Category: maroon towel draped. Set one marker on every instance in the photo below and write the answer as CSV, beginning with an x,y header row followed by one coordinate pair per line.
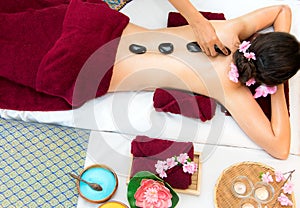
x,y
147,151
44,46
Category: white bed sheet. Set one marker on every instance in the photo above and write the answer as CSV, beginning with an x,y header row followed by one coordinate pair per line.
x,y
133,112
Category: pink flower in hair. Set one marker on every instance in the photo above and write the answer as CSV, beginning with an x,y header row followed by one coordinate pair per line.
x,y
243,47
250,55
233,73
264,90
250,82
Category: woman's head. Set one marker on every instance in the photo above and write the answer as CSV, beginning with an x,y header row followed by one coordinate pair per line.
x,y
277,59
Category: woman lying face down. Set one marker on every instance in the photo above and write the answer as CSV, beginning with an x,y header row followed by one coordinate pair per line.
x,y
268,61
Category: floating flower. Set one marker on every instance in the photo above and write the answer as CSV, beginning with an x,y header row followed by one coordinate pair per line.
x,y
284,200
266,177
233,73
264,90
152,194
288,187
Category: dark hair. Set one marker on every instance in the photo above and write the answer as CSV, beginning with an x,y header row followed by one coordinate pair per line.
x,y
277,59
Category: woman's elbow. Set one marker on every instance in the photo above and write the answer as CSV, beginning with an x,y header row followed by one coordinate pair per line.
x,y
282,151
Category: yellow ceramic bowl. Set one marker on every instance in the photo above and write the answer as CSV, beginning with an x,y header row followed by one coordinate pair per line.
x,y
113,204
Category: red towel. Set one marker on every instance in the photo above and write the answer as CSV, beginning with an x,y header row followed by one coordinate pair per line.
x,y
189,105
28,37
147,151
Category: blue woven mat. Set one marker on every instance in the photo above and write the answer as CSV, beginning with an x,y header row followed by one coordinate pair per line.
x,y
117,4
35,162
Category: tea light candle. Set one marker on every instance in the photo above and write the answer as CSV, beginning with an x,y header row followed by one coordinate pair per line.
x,y
262,193
239,188
247,205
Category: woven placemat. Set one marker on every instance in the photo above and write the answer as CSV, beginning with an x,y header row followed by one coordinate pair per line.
x,y
35,162
225,198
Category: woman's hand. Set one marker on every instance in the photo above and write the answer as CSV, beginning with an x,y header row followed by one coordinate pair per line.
x,y
205,33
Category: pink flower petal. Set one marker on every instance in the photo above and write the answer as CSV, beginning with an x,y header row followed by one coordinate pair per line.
x,y
244,46
288,188
250,82
284,200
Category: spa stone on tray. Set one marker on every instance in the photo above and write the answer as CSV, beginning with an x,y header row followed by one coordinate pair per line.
x,y
137,49
193,47
166,48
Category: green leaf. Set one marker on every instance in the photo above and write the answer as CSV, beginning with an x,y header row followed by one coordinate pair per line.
x,y
135,182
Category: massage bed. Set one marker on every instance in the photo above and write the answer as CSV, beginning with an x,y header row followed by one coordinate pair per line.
x,y
132,113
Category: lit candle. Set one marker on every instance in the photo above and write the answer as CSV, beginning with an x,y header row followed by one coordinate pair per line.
x,y
262,193
239,188
247,205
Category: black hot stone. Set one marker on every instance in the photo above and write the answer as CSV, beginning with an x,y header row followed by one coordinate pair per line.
x,y
166,48
137,49
217,49
193,47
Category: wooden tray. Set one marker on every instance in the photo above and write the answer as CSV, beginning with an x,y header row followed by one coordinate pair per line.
x,y
194,188
223,197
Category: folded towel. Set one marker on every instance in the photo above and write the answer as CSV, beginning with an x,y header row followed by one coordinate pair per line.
x,y
147,151
178,102
189,105
52,34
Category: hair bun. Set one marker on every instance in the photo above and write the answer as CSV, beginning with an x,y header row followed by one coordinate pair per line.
x,y
246,68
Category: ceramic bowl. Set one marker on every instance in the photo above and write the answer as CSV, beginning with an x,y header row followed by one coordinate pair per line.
x,y
113,204
102,175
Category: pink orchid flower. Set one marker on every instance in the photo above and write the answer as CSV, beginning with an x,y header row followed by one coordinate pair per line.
x,y
190,167
244,46
161,167
250,55
264,90
171,162
284,200
233,73
288,187
182,158
279,176
250,82
266,177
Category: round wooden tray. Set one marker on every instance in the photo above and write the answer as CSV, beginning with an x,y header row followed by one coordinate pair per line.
x,y
223,196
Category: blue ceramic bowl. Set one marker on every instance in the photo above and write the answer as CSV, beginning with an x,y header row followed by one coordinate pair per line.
x,y
102,175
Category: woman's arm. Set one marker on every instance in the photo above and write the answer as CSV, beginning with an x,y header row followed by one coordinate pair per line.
x,y
273,136
204,31
277,16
